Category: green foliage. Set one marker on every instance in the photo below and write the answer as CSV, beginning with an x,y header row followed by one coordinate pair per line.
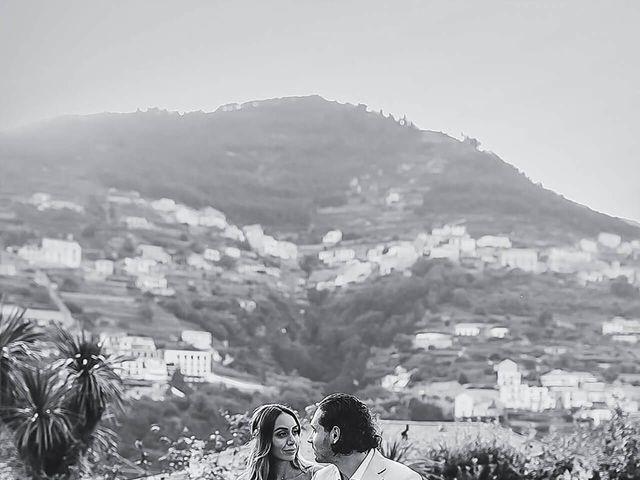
x,y
54,410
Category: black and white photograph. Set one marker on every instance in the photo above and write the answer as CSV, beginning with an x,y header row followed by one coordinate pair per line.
x,y
319,240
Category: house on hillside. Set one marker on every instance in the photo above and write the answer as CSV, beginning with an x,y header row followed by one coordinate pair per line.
x,y
568,261
165,205
493,241
197,338
137,223
478,403
564,378
332,237
621,326
609,240
447,251
433,340
508,373
194,364
154,252
53,253
525,259
468,329
211,217
498,332
354,271
187,216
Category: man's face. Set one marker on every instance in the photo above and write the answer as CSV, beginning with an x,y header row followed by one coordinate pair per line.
x,y
320,440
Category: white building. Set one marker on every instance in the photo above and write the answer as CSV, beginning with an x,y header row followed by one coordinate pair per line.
x,y
397,381
609,240
198,262
525,259
563,378
234,233
508,373
232,252
567,261
187,216
165,205
477,403
137,223
211,254
498,332
139,266
148,369
448,231
621,326
468,329
589,246
493,241
8,269
210,217
154,252
53,253
337,256
332,237
447,251
129,345
354,271
197,338
466,246
399,257
625,338
435,340
148,283
40,316
193,364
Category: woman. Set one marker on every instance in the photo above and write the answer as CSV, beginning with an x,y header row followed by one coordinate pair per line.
x,y
275,431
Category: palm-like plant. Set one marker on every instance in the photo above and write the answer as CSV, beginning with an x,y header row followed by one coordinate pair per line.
x,y
40,422
92,387
18,346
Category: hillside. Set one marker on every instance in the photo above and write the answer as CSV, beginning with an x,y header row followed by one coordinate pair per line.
x,y
288,163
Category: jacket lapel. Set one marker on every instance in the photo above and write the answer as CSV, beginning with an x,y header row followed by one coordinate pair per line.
x,y
376,468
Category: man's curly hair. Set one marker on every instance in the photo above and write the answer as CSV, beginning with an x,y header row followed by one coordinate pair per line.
x,y
358,432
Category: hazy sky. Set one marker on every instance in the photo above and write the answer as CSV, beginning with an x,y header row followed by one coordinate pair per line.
x,y
553,87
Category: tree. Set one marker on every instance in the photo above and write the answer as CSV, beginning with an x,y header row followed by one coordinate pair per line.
x,y
42,425
18,339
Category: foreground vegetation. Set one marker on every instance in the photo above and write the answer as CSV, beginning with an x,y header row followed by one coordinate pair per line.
x,y
57,394
608,452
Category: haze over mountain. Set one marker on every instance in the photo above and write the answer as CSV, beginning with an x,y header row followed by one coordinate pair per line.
x,y
288,163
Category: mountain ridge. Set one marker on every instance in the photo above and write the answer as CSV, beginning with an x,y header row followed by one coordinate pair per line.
x,y
279,162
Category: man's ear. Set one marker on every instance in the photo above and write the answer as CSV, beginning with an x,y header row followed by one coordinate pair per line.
x,y
334,435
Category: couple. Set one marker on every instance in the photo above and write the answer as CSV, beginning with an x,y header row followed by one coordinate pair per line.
x,y
343,435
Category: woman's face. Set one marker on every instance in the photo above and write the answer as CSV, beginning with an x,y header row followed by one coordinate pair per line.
x,y
286,438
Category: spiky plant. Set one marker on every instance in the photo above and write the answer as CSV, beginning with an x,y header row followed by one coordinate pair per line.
x,y
41,424
93,388
18,347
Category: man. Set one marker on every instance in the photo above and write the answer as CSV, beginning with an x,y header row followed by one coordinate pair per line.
x,y
344,435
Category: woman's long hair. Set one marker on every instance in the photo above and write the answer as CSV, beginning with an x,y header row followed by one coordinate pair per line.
x,y
262,423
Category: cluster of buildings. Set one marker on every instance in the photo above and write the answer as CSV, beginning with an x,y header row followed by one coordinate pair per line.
x,y
591,260
53,253
432,340
193,355
621,329
43,201
578,392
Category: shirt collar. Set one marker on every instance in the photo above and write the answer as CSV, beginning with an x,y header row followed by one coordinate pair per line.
x,y
359,473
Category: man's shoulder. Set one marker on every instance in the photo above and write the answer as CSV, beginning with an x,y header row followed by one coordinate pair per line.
x,y
398,470
327,472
